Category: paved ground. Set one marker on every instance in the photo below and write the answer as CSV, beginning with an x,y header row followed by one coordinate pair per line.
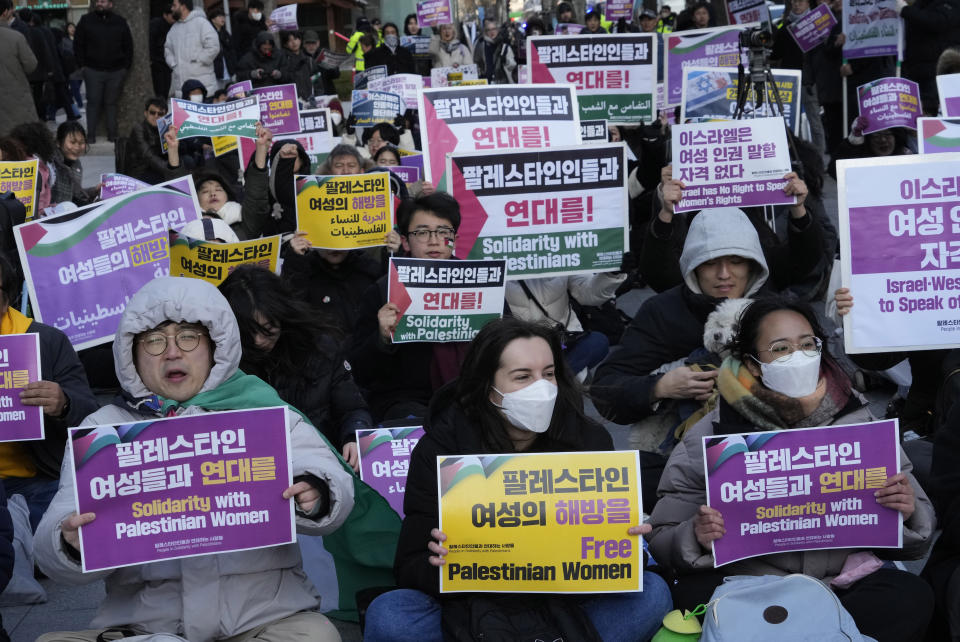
x,y
71,608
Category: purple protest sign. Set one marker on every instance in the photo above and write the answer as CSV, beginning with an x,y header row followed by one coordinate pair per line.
x,y
813,28
406,173
19,365
616,9
279,109
385,459
889,102
802,489
182,486
83,266
284,18
431,13
118,184
948,86
899,224
717,47
872,28
241,88
731,164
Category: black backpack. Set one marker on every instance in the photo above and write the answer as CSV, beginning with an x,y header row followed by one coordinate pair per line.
x,y
499,617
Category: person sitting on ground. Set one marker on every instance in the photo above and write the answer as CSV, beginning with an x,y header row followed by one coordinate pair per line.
x,y
144,158
32,468
401,378
177,350
779,377
722,259
288,347
71,145
508,358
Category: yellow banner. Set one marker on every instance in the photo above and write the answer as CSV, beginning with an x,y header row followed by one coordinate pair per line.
x,y
20,177
542,522
345,212
213,262
224,144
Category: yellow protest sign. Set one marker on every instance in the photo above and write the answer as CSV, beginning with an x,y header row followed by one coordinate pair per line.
x,y
541,522
213,262
224,144
345,212
20,177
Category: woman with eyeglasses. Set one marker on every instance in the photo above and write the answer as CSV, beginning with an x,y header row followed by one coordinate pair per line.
x,y
779,377
285,345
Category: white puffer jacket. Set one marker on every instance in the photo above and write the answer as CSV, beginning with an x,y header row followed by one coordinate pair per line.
x,y
208,597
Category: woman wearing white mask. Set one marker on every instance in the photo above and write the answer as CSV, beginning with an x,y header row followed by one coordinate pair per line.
x,y
780,376
515,394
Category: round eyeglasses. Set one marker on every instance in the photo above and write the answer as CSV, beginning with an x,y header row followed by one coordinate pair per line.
x,y
155,343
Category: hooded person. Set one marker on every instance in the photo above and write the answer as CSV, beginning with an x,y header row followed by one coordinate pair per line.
x,y
264,64
722,259
177,351
288,158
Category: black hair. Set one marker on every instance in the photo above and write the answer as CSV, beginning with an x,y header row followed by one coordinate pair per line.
x,y
285,35
36,139
406,22
480,366
167,9
68,127
255,4
744,343
440,204
12,149
564,7
536,23
217,94
390,24
9,279
591,13
216,12
155,101
387,131
251,289
188,4
6,5
367,40
389,147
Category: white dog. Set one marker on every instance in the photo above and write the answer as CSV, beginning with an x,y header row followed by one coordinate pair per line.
x,y
722,325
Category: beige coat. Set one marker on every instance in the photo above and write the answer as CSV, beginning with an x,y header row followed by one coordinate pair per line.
x,y
16,61
682,492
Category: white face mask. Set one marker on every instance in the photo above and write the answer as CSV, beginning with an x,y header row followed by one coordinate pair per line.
x,y
336,117
255,16
530,408
196,98
796,376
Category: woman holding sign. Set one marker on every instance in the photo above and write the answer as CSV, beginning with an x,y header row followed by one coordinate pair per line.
x,y
780,377
515,394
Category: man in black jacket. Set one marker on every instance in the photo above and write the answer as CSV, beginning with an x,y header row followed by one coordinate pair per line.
x,y
401,378
145,160
159,71
104,49
247,23
32,468
930,27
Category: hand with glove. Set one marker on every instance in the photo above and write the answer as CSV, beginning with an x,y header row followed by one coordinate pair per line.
x,y
860,124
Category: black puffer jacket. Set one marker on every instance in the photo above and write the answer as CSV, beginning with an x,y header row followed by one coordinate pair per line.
x,y
59,363
253,60
450,432
324,390
334,291
930,27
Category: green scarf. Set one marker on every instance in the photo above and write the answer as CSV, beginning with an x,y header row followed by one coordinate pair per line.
x,y
363,547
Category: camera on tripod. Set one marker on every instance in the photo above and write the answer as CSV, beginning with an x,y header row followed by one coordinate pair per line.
x,y
756,37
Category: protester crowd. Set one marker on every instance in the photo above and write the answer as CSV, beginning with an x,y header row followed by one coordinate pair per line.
x,y
738,335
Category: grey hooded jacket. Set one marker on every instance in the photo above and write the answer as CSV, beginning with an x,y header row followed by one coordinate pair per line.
x,y
669,326
213,596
